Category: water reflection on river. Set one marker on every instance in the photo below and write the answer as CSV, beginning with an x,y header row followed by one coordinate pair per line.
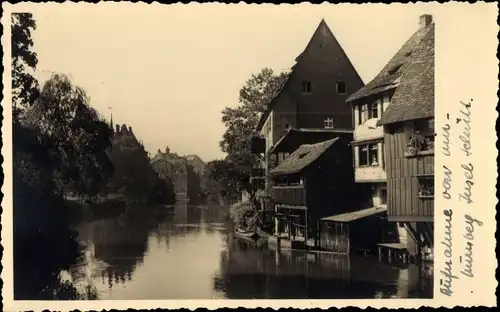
x,y
191,254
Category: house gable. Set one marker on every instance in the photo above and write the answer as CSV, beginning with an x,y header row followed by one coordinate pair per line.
x,y
312,85
332,78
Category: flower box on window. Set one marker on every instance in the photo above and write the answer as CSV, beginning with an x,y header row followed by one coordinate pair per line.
x,y
426,187
421,139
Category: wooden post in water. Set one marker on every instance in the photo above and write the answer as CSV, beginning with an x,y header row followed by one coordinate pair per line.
x,y
307,227
348,251
317,237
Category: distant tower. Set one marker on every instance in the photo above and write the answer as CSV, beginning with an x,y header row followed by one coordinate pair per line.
x,y
167,150
111,122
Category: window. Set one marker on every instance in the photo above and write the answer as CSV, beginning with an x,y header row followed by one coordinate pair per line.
x,y
373,113
363,155
363,114
368,111
302,155
422,136
395,69
341,87
368,155
426,186
329,123
306,87
373,155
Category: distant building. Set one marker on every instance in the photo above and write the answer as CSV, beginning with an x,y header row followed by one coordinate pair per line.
x,y
124,137
169,165
198,165
174,167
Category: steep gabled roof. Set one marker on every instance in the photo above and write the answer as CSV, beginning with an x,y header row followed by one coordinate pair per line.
x,y
302,158
389,77
322,26
414,97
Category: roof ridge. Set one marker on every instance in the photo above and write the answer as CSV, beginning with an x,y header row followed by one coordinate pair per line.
x,y
418,48
342,53
398,58
414,97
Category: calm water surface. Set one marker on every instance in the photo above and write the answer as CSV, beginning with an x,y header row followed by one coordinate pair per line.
x,y
191,254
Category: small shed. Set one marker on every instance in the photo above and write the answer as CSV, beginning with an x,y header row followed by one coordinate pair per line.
x,y
359,230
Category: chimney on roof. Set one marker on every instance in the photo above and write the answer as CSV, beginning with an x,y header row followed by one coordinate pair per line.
x,y
425,20
130,130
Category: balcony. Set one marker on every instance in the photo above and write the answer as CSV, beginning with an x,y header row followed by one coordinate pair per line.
x,y
370,174
289,195
368,131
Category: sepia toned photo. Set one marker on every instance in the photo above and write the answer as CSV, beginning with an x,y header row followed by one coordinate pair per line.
x,y
237,152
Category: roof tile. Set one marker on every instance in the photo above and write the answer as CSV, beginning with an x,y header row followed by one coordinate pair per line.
x,y
302,158
414,97
387,78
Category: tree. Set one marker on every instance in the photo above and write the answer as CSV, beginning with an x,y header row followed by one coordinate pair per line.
x,y
234,171
43,242
25,88
76,137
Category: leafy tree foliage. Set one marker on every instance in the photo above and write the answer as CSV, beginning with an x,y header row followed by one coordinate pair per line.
x,y
75,136
63,142
24,86
233,172
243,214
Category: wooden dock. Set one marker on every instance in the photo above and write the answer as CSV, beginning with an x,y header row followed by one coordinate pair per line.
x,y
393,251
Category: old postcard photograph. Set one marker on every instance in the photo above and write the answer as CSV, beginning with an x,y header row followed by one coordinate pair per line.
x,y
213,155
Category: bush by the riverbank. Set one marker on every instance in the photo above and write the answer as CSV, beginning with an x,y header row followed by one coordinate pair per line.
x,y
244,215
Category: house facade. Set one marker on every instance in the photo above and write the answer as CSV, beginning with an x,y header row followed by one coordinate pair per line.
x,y
315,181
369,104
313,96
408,126
173,167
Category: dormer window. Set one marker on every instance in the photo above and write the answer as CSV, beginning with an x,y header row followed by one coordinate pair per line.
x,y
368,111
306,87
363,113
328,123
373,113
341,87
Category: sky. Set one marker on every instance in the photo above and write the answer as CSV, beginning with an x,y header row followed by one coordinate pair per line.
x,y
169,70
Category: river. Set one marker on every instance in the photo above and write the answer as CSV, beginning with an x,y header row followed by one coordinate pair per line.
x,y
191,254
